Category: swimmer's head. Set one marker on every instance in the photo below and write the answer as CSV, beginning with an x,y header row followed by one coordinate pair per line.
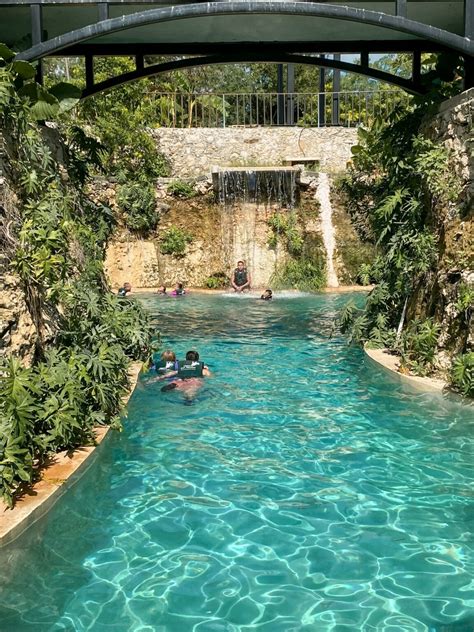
x,y
192,356
168,356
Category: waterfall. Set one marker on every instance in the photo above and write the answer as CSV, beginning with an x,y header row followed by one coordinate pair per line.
x,y
248,197
322,195
259,185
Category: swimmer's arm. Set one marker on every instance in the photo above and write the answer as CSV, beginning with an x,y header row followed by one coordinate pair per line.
x,y
167,375
206,372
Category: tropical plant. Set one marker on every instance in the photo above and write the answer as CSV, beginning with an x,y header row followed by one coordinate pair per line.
x,y
462,374
174,241
137,201
397,179
181,189
85,337
302,274
217,280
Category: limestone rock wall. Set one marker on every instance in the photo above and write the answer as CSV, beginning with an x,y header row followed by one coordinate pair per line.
x,y
193,152
220,237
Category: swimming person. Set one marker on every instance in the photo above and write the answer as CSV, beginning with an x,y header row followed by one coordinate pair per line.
x,y
189,377
123,291
168,366
240,277
267,295
162,290
179,290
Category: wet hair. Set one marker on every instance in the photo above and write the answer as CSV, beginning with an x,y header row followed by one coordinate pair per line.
x,y
242,262
168,355
268,292
127,286
180,285
162,288
192,356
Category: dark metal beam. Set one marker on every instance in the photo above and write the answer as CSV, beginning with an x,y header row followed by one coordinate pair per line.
x,y
280,99
37,35
251,7
89,63
321,96
290,89
249,57
139,62
416,67
207,48
336,87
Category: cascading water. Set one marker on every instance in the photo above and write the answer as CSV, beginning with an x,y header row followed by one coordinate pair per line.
x,y
248,198
262,185
327,227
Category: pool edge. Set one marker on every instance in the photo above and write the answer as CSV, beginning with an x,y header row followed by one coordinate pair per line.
x,y
390,364
64,471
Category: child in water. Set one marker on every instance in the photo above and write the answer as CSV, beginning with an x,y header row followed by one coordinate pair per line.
x,y
162,290
267,295
123,291
179,290
189,385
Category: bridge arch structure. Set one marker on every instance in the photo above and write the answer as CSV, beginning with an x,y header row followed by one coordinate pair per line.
x,y
231,31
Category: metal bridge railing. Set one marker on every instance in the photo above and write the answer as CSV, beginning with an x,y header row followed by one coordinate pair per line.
x,y
348,109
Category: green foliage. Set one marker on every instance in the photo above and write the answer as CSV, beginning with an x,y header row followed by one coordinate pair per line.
x,y
181,189
284,226
217,280
137,201
465,300
56,245
397,180
120,121
304,274
174,241
364,274
419,345
462,374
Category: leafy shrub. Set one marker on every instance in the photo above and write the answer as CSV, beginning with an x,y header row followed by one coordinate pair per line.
x,y
364,275
137,201
79,373
462,374
217,280
419,345
305,275
174,241
465,300
284,225
181,189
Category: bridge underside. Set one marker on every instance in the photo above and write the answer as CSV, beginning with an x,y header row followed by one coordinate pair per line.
x,y
240,30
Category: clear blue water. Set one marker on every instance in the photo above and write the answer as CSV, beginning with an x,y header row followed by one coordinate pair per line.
x,y
300,491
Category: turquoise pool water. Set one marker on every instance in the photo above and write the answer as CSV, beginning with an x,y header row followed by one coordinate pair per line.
x,y
300,491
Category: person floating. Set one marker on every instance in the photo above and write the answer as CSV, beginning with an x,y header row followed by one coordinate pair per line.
x,y
189,375
123,291
162,290
168,365
267,295
179,290
241,278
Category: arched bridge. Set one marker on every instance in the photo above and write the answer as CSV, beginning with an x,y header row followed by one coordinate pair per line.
x,y
240,31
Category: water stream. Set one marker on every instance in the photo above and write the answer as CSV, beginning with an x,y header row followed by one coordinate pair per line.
x,y
327,227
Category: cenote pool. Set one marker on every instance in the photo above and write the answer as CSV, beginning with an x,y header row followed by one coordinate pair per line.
x,y
300,491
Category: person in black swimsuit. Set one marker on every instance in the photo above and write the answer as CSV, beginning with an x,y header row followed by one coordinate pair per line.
x,y
241,278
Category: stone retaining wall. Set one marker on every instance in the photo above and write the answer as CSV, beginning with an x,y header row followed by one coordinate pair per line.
x,y
193,152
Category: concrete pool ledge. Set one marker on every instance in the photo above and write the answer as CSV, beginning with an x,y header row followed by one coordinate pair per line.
x,y
390,364
63,470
